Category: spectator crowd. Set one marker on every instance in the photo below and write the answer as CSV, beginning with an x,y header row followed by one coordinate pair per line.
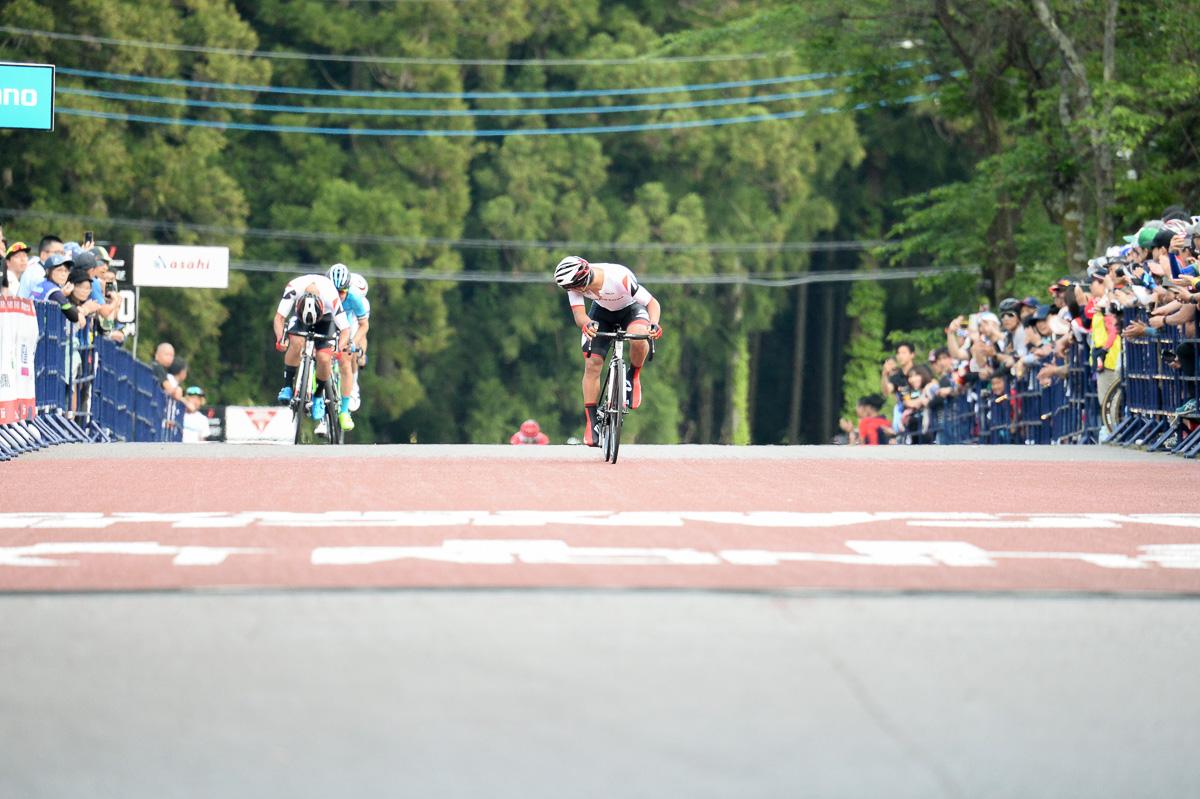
x,y
78,279
985,354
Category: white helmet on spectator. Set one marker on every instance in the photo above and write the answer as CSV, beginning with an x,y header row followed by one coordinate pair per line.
x,y
340,275
358,284
308,308
1178,226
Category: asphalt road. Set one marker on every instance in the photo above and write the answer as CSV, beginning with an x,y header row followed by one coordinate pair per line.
x,y
529,694
532,692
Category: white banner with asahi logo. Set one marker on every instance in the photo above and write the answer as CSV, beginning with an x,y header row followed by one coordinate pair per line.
x,y
181,266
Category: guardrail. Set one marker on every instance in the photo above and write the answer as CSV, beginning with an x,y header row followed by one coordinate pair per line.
x,y
86,388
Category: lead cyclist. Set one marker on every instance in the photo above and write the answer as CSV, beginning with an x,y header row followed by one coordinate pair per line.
x,y
618,301
329,322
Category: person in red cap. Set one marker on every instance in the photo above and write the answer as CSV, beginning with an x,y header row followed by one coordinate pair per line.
x,y
530,433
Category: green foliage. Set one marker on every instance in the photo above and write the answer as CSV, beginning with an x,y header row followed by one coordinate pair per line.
x,y
469,361
866,351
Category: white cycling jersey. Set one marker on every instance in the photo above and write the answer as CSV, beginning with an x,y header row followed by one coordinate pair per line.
x,y
331,301
620,289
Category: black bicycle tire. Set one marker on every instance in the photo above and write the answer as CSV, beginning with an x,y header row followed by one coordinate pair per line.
x,y
1107,410
617,413
300,394
333,423
602,418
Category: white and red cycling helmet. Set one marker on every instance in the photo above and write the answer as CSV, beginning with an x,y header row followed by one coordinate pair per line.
x,y
572,273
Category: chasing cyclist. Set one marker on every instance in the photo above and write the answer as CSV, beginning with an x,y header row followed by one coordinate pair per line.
x,y
618,301
356,315
358,334
310,302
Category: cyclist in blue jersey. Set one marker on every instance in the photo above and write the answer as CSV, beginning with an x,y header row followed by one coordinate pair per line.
x,y
359,287
352,304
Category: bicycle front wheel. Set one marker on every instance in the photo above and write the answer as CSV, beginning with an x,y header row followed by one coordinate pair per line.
x,y
300,396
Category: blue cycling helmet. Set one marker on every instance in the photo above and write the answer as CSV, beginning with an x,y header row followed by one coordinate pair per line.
x,y
340,275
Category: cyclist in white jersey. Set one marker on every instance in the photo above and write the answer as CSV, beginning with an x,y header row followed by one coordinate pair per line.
x,y
618,301
290,330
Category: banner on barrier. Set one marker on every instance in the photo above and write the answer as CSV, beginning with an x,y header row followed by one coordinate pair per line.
x,y
267,425
18,344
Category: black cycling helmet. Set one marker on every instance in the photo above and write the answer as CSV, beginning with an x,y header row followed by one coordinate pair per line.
x,y
309,308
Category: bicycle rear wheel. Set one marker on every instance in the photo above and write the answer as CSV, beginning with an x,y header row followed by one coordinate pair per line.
x,y
333,422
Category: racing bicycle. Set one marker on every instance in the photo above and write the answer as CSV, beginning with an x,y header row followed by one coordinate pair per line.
x,y
303,390
614,402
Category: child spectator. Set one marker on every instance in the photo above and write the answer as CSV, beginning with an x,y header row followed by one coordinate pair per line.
x,y
195,424
873,427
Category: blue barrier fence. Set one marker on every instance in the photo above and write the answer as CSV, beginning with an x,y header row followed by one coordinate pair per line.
x,y
1066,411
89,389
1160,378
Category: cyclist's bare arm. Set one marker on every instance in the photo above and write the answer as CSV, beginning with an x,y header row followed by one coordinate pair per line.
x,y
654,310
583,321
279,323
360,335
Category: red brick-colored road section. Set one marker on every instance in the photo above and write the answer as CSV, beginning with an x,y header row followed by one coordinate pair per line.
x,y
724,523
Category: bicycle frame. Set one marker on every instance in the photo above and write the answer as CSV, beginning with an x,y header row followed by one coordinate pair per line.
x,y
302,394
613,405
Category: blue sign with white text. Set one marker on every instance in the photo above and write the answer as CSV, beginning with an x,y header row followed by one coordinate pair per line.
x,y
27,96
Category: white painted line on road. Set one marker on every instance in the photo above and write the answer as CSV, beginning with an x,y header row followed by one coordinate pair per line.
x,y
36,554
957,554
579,518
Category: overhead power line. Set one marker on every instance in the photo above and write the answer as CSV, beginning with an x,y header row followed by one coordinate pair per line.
x,y
765,281
361,59
463,243
390,95
478,133
447,112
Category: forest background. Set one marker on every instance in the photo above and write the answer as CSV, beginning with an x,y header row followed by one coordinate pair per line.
x,y
746,160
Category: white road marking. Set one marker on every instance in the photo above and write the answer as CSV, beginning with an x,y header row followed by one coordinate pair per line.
x,y
955,554
538,518
35,554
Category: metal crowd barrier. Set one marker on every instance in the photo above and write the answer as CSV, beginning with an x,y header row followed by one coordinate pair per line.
x,y
1065,412
88,389
1154,391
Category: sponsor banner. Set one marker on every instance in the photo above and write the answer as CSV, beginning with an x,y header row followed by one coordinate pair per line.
x,y
268,425
180,266
27,96
18,343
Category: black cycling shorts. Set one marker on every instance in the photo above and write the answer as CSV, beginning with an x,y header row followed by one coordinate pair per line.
x,y
609,322
324,329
